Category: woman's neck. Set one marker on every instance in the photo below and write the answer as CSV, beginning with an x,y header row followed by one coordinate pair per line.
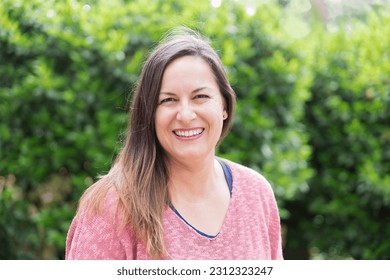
x,y
194,181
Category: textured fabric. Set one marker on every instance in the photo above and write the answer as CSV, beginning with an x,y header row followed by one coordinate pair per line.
x,y
251,229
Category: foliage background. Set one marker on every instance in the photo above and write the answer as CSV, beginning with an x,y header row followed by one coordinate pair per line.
x,y
313,112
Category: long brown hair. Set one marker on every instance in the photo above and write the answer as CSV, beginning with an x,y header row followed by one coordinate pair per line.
x,y
139,174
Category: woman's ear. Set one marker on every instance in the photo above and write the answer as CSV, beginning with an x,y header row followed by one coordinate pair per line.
x,y
225,114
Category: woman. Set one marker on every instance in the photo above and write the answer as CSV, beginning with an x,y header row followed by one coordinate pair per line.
x,y
167,195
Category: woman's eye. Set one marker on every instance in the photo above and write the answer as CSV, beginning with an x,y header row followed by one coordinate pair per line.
x,y
166,100
199,96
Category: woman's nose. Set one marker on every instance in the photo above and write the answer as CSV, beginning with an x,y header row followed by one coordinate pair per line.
x,y
185,113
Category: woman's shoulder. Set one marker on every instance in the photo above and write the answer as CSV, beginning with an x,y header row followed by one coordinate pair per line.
x,y
247,178
100,198
99,206
240,171
96,231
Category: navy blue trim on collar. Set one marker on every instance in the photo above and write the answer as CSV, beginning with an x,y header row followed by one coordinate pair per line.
x,y
194,228
228,175
229,179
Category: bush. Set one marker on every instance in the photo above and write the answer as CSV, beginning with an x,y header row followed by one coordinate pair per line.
x,y
348,119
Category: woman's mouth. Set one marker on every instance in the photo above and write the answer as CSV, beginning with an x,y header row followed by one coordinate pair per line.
x,y
188,133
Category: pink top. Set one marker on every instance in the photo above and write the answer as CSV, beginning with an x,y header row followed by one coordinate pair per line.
x,y
251,229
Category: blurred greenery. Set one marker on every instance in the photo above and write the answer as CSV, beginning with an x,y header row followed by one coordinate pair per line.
x,y
313,112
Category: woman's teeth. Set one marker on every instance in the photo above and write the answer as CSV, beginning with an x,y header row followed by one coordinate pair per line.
x,y
188,133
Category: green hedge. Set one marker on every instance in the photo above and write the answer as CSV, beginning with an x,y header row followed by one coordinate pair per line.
x,y
348,120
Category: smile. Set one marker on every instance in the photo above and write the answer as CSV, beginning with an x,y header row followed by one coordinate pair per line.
x,y
189,132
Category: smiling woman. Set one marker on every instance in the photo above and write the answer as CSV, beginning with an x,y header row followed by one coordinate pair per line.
x,y
191,111
167,196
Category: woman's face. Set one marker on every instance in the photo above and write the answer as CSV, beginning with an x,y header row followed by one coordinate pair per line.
x,y
190,111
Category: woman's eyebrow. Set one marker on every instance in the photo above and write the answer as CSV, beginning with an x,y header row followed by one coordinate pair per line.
x,y
194,91
168,93
199,89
